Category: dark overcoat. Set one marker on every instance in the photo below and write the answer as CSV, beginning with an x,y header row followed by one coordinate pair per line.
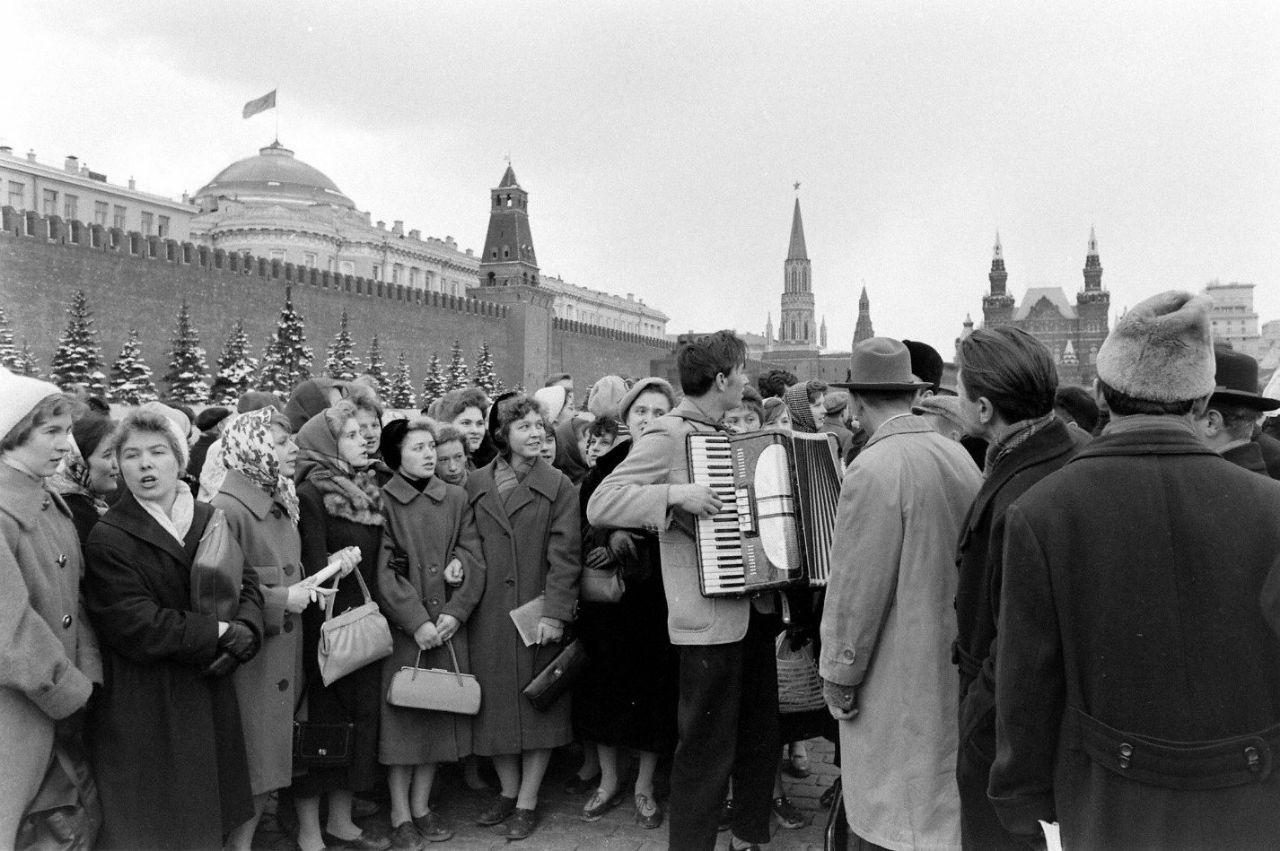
x,y
530,546
1130,626
267,686
979,558
423,532
166,742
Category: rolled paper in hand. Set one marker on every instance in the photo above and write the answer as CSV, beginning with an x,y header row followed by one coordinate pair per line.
x,y
332,568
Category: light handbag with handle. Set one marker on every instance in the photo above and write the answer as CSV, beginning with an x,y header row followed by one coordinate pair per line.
x,y
352,639
601,585
435,689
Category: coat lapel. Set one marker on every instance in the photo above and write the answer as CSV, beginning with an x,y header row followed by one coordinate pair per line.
x,y
128,516
482,491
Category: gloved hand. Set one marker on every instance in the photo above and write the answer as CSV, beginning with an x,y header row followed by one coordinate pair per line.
x,y
842,701
224,663
240,641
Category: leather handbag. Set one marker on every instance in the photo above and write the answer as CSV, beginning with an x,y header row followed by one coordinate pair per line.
x,y
555,679
217,570
353,639
601,585
435,689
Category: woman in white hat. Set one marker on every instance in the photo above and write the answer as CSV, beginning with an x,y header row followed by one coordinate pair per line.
x,y
48,655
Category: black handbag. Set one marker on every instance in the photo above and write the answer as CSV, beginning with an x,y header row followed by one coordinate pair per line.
x,y
320,744
556,678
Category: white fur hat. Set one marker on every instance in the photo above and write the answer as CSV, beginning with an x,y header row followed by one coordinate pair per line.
x,y
21,394
1161,350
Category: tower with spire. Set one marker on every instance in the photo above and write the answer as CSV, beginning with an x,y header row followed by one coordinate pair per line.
x,y
997,304
1093,304
863,330
796,329
508,257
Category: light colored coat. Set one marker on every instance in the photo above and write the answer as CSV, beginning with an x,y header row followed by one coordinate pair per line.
x,y
887,629
48,655
267,686
634,496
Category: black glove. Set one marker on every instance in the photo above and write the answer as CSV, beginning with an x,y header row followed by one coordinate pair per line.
x,y
240,641
222,664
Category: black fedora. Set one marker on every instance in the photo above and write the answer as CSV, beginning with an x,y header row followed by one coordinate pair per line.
x,y
1236,381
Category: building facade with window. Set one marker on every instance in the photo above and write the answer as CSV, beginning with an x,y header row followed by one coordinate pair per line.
x,y
75,193
1233,317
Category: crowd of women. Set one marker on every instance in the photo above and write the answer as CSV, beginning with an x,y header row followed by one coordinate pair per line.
x,y
117,671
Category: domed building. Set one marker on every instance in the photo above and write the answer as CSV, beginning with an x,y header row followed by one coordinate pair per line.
x,y
274,205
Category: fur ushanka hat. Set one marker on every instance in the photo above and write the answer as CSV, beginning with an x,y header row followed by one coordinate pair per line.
x,y
1161,350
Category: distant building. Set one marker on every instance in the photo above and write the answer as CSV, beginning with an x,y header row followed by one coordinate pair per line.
x,y
1072,331
863,330
75,193
1233,318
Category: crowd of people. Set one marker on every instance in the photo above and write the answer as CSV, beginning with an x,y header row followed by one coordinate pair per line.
x,y
1044,605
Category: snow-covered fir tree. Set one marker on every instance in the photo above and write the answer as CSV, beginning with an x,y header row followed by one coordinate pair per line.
x,y
287,360
130,376
27,362
484,376
376,367
187,366
457,376
10,357
401,393
341,362
433,386
77,359
236,367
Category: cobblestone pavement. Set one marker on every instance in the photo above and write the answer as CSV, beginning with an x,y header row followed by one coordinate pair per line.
x,y
561,830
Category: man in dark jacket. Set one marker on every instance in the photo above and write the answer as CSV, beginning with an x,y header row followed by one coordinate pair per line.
x,y
1137,693
1228,423
1006,382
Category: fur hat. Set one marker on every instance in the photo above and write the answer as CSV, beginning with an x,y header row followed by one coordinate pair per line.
x,y
21,395
1161,350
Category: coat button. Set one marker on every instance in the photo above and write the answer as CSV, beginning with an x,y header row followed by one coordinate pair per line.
x,y
511,583
66,621
433,601
433,569
62,560
45,503
282,685
288,570
276,512
847,655
288,625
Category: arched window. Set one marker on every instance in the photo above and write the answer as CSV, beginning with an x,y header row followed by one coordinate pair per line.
x,y
793,329
806,329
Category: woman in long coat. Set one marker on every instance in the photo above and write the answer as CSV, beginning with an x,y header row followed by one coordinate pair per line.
x,y
429,537
48,654
168,752
258,499
527,516
339,505
87,474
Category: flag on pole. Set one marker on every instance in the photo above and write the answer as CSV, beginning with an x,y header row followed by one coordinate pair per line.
x,y
267,101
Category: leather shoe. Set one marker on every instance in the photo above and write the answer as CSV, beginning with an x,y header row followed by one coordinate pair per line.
x,y
522,823
595,808
576,785
366,841
648,813
433,827
499,811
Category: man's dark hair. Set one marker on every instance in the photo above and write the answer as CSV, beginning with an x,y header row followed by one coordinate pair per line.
x,y
813,388
1010,368
774,383
1075,404
884,397
701,360
604,426
1238,420
1124,405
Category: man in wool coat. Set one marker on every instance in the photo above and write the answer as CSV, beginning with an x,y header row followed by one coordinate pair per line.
x,y
1137,684
1228,422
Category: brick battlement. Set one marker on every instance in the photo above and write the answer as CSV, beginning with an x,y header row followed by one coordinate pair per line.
x,y
55,230
574,327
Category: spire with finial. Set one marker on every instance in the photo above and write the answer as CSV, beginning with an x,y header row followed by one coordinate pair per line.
x,y
863,330
1092,265
997,304
797,251
822,334
997,254
768,330
796,328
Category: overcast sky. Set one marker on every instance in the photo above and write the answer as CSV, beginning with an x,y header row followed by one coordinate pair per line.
x,y
659,141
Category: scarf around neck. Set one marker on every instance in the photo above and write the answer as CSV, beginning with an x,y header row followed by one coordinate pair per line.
x,y
178,524
72,477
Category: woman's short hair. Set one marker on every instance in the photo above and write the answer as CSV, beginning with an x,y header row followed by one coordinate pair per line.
x,y
151,422
453,403
752,402
90,430
446,433
365,399
771,410
398,431
1012,369
605,426
279,419
53,405
507,411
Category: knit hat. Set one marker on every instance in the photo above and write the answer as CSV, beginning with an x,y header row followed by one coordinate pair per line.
x,y
21,395
1161,350
605,396
178,424
552,401
644,385
835,402
210,417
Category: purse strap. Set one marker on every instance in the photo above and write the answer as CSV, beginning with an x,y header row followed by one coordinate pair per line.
x,y
457,670
364,589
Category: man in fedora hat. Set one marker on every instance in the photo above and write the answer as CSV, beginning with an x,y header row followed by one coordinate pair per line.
x,y
1137,685
1228,422
888,622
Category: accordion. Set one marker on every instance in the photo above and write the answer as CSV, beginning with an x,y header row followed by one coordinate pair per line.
x,y
774,529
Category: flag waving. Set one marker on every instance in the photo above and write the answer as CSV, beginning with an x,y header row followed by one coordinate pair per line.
x,y
267,101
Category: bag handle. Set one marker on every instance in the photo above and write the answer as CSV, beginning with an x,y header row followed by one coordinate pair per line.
x,y
457,671
364,589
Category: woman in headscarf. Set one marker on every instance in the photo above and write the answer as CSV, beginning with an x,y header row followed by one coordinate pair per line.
x,y
627,698
572,437
310,398
527,517
261,508
430,532
340,505
87,474
48,654
213,471
168,750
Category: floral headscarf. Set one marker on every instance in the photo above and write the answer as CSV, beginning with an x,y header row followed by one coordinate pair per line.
x,y
248,447
72,477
